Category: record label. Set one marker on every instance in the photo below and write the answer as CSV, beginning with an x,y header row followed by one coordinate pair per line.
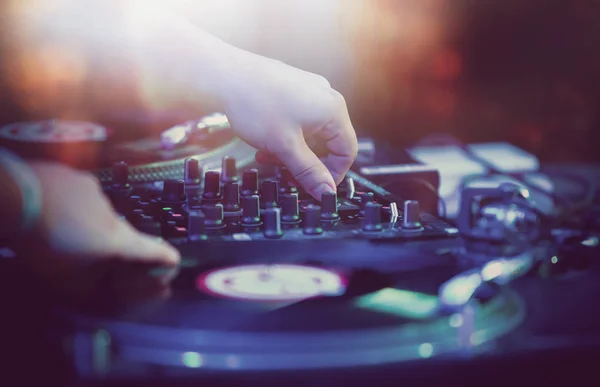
x,y
272,282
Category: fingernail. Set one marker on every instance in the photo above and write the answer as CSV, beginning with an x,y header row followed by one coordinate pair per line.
x,y
317,192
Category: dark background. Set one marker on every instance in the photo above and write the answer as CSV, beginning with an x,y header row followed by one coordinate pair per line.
x,y
523,71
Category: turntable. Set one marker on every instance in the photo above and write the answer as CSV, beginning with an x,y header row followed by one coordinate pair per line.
x,y
274,285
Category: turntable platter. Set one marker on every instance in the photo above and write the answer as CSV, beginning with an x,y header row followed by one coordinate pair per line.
x,y
298,317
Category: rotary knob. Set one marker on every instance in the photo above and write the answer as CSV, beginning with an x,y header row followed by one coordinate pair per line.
x,y
290,214
372,219
173,192
250,183
269,191
231,197
412,216
251,212
195,227
213,217
229,172
212,187
312,220
273,223
192,172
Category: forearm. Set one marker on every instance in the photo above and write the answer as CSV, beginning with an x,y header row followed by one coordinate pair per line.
x,y
112,55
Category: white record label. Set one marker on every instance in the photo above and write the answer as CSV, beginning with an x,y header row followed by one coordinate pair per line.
x,y
272,282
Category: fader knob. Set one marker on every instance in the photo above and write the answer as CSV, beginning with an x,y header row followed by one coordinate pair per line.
x,y
250,183
329,210
269,192
290,215
213,217
273,223
192,172
412,215
173,191
229,169
312,220
365,197
195,227
372,219
212,187
231,197
251,211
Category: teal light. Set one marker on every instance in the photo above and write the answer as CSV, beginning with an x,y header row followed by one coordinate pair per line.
x,y
461,289
456,320
478,338
400,302
554,259
492,270
425,350
192,359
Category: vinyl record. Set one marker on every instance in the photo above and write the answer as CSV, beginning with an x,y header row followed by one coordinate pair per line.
x,y
76,143
300,316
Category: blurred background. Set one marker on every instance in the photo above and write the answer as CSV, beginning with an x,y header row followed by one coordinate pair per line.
x,y
523,71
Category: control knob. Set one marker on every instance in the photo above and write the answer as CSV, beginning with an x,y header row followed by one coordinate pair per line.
x,y
251,212
290,213
173,192
412,216
312,220
195,227
231,197
213,220
329,209
229,169
250,183
212,188
273,223
269,194
372,219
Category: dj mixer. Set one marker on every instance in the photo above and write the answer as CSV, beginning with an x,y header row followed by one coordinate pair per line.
x,y
362,285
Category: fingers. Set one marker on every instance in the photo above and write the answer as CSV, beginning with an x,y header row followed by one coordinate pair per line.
x,y
129,244
308,170
267,158
341,143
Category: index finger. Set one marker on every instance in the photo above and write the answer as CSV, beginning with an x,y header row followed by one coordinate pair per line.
x,y
341,143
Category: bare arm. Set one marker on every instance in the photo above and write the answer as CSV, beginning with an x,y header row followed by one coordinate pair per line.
x,y
91,58
169,63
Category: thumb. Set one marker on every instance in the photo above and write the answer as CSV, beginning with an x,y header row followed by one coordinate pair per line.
x,y
131,245
308,170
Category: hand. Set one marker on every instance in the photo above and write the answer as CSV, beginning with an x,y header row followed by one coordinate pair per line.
x,y
280,110
80,240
